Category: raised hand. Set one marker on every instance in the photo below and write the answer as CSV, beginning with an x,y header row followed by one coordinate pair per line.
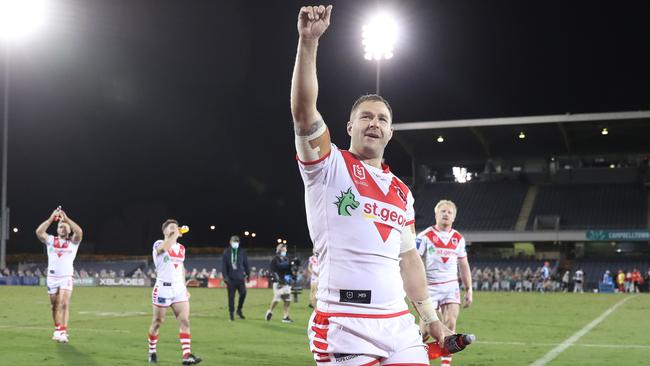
x,y
313,21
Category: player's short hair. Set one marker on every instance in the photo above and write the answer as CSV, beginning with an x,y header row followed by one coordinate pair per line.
x,y
168,222
446,202
371,98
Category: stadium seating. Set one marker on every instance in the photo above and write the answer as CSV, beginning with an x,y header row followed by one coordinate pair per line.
x,y
592,206
481,205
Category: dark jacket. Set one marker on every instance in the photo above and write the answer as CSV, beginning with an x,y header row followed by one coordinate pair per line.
x,y
280,267
240,259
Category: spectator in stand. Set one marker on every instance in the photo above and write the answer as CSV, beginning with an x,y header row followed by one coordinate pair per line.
x,y
620,281
578,278
213,273
637,280
629,285
565,281
607,278
486,279
496,280
545,276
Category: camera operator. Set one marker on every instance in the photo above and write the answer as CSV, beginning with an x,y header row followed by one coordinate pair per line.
x,y
282,279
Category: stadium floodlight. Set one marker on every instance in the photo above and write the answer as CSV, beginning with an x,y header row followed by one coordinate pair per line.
x,y
604,131
522,135
20,19
15,230
378,39
461,175
212,227
440,139
284,241
253,235
279,241
246,233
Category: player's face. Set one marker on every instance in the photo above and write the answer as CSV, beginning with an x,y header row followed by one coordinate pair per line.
x,y
169,229
445,215
370,129
63,230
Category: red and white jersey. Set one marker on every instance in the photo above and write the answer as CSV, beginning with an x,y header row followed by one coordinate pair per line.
x,y
440,251
60,256
356,214
313,268
169,264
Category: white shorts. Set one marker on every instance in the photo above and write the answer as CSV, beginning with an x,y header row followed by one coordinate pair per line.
x,y
354,341
281,293
163,296
444,293
56,283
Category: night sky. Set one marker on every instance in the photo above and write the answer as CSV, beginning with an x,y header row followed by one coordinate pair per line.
x,y
129,112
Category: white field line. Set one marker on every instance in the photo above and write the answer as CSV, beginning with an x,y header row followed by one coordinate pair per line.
x,y
114,314
20,327
630,346
574,338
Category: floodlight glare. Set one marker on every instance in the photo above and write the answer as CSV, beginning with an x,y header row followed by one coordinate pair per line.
x,y
19,19
522,135
379,37
604,132
440,139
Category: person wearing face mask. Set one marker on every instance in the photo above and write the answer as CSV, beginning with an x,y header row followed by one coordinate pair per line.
x,y
235,273
282,278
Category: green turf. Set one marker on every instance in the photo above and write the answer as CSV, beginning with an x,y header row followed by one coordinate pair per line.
x,y
108,326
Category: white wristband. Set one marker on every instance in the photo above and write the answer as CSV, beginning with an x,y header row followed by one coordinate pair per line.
x,y
426,310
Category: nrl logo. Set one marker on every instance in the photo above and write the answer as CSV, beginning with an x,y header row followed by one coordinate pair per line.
x,y
359,172
346,201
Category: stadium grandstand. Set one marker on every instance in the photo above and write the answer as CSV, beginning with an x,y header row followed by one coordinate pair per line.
x,y
570,189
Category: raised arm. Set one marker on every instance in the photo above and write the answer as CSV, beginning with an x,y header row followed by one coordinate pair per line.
x,y
171,235
77,233
41,233
312,137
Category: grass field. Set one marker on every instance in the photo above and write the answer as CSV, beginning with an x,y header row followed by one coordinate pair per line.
x,y
109,325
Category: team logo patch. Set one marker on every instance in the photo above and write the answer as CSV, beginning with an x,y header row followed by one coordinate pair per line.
x,y
454,241
418,241
359,172
345,202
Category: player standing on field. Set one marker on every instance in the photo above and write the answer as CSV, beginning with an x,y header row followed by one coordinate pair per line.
x,y
360,219
443,251
61,251
170,291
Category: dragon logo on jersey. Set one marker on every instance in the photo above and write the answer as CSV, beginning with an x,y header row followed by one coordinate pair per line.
x,y
346,201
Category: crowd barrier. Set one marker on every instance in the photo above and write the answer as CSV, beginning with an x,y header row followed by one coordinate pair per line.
x,y
254,282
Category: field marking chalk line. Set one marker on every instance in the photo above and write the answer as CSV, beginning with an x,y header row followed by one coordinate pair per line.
x,y
574,338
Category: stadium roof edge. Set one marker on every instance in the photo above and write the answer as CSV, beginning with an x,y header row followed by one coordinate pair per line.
x,y
504,121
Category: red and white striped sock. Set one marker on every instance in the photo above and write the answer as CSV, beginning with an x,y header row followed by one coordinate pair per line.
x,y
445,361
186,340
153,341
62,329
